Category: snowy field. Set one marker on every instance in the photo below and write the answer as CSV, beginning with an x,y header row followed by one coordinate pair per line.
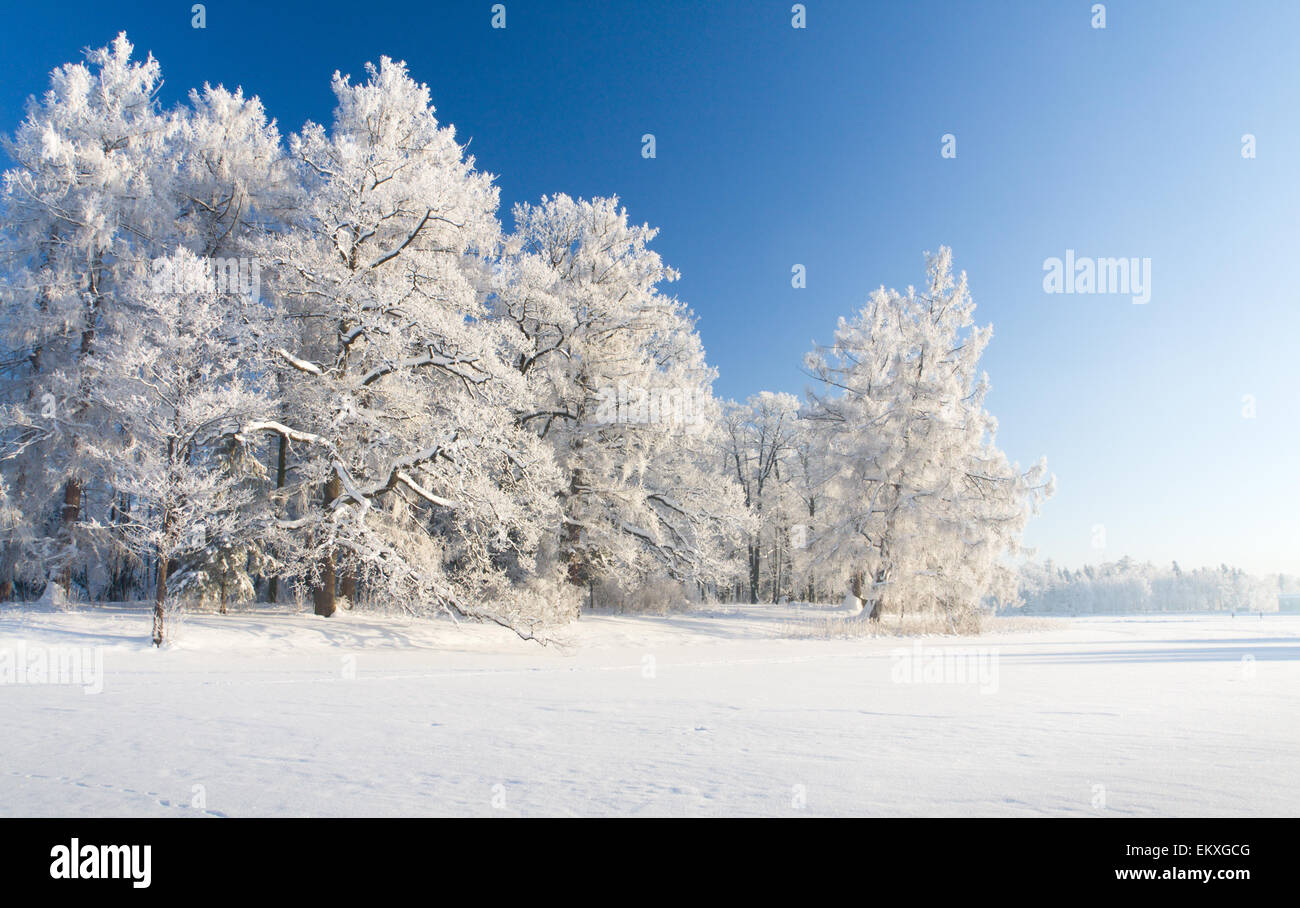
x,y
734,712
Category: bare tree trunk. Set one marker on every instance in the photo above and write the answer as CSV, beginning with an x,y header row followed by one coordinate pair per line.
x,y
857,586
883,572
778,562
159,600
273,588
67,517
323,593
878,607
577,570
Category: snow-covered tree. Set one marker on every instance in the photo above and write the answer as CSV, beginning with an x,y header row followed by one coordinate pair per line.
x,y
1129,587
409,470
620,390
760,439
180,387
232,186
805,482
81,214
230,176
921,505
228,361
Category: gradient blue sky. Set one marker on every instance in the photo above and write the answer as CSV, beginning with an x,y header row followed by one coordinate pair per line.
x,y
821,147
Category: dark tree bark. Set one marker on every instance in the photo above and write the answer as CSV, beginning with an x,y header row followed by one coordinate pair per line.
x,y
67,517
323,594
159,600
273,588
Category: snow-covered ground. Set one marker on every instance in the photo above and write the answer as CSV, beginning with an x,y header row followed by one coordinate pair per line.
x,y
733,712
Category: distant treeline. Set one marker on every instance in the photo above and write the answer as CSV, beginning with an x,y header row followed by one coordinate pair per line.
x,y
1129,586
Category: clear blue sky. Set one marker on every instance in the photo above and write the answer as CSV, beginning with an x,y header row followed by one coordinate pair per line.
x,y
821,147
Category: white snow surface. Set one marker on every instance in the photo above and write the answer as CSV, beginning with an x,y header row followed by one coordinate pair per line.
x,y
724,712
